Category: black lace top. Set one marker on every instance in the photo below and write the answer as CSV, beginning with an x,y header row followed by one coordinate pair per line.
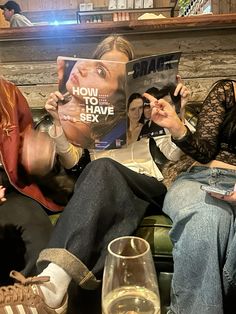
x,y
215,136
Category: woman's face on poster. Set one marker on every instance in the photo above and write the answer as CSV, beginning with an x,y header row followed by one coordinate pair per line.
x,y
135,110
96,74
87,74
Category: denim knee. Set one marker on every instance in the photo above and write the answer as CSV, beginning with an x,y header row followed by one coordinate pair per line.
x,y
100,165
187,204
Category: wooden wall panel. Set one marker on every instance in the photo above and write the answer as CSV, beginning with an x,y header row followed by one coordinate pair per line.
x,y
150,43
41,5
30,73
223,6
46,50
37,95
233,6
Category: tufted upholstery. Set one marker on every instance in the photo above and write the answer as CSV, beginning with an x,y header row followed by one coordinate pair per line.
x,y
155,229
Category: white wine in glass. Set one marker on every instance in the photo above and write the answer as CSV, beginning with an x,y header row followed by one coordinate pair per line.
x,y
129,280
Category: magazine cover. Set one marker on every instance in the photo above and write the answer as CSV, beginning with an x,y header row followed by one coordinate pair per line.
x,y
99,94
156,75
93,113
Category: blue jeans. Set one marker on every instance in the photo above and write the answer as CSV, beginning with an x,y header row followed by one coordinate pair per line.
x,y
109,201
204,240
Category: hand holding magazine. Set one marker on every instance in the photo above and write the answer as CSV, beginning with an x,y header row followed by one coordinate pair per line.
x,y
96,92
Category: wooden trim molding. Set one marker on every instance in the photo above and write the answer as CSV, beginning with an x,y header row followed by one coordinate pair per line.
x,y
201,22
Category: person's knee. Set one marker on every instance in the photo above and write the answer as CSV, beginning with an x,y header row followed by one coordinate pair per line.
x,y
101,165
186,203
97,171
183,195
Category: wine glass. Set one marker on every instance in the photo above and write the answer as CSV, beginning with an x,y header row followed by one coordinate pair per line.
x,y
129,279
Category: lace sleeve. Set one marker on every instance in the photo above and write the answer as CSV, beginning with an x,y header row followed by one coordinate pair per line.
x,y
204,144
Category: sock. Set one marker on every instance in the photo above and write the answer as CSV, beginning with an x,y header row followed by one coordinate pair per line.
x,y
55,290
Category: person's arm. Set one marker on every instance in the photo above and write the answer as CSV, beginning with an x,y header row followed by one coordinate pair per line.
x,y
202,145
168,148
69,154
19,20
35,150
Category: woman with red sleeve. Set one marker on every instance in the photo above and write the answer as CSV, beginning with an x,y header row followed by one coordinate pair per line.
x,y
22,204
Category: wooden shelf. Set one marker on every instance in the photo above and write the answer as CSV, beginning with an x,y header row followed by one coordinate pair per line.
x,y
81,14
175,24
101,12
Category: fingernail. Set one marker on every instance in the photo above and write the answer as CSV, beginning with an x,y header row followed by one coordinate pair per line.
x,y
235,187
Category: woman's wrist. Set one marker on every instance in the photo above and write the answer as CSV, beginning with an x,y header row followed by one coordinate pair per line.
x,y
179,132
57,122
55,130
181,136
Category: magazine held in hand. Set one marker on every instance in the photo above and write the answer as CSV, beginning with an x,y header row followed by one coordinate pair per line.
x,y
97,92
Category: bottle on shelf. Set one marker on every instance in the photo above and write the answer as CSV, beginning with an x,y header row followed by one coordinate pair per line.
x,y
99,18
115,17
127,17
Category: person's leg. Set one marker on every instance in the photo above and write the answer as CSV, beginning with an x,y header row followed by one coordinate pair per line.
x,y
202,231
24,212
229,274
109,201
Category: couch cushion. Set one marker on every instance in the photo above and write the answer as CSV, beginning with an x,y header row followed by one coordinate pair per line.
x,y
155,229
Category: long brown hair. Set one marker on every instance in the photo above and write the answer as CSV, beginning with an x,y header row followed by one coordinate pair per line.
x,y
5,106
114,42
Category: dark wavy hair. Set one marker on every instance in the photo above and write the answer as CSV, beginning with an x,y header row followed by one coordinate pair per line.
x,y
131,98
229,124
168,89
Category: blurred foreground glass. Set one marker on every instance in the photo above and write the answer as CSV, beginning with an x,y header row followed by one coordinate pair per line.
x,y
129,280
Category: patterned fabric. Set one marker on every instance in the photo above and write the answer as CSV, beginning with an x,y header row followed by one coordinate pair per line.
x,y
215,138
172,169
